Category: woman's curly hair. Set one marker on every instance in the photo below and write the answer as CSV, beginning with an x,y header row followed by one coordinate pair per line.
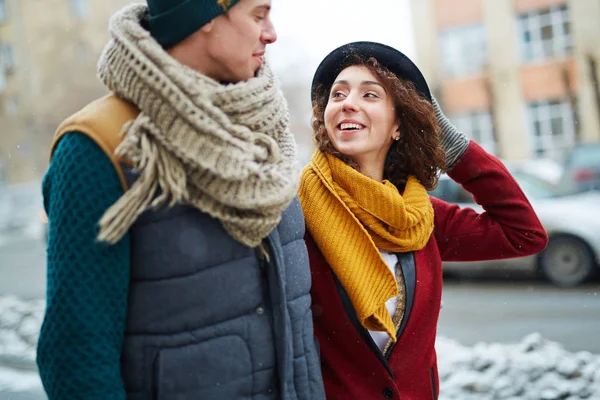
x,y
418,150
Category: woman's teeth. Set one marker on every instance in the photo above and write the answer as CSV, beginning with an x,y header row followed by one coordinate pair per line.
x,y
346,127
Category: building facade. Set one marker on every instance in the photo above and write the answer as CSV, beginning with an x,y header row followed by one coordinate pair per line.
x,y
48,55
519,76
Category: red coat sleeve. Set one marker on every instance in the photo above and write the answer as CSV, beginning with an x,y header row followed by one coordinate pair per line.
x,y
508,228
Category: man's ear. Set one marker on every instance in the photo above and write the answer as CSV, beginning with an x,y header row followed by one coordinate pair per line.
x,y
208,27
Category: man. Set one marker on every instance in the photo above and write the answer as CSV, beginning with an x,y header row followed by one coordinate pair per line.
x,y
176,262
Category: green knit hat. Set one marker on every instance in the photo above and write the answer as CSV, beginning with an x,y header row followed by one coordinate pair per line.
x,y
171,21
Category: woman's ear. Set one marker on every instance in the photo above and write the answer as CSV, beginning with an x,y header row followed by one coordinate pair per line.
x,y
396,130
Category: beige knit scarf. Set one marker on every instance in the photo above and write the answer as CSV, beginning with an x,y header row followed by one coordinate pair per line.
x,y
224,149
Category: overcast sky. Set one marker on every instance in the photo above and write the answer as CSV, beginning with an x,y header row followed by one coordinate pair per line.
x,y
309,29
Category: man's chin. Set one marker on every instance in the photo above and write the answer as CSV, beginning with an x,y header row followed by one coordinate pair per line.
x,y
243,77
256,71
237,79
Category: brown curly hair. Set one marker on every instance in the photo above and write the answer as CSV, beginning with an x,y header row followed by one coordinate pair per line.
x,y
418,150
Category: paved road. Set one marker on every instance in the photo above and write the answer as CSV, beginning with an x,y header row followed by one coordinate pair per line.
x,y
23,268
492,311
37,394
17,384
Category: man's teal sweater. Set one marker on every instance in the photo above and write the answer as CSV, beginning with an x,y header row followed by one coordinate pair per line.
x,y
79,348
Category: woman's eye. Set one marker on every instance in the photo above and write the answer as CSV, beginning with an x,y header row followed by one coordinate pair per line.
x,y
371,95
337,94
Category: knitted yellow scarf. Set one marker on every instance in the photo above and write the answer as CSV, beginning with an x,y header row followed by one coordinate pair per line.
x,y
351,216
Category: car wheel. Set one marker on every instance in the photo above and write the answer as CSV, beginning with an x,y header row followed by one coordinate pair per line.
x,y
567,261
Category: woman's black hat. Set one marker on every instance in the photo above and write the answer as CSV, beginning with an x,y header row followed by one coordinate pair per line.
x,y
394,60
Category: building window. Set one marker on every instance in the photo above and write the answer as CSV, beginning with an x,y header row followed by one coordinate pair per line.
x,y
12,106
478,126
552,127
6,64
7,61
464,50
545,34
3,11
2,80
79,8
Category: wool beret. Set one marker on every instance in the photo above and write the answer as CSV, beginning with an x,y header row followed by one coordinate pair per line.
x,y
342,57
171,21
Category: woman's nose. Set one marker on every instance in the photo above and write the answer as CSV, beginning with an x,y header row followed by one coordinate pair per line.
x,y
349,104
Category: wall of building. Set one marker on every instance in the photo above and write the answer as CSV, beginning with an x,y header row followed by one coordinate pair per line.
x,y
449,14
55,51
586,33
503,75
507,83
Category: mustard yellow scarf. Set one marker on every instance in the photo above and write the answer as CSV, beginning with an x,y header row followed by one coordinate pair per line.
x,y
351,216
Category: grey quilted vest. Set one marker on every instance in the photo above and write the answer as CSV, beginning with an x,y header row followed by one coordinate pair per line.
x,y
209,319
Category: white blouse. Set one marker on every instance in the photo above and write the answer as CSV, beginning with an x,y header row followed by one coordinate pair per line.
x,y
381,338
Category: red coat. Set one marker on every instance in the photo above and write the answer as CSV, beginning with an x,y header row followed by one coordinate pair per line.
x,y
508,228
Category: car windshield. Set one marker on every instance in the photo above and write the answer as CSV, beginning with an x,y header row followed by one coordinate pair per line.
x,y
586,156
533,187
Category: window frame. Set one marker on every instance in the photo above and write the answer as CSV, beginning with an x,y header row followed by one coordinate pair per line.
x,y
7,57
530,27
478,125
545,142
463,50
3,11
79,8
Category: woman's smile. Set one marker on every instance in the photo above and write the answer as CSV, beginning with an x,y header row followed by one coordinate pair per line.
x,y
350,127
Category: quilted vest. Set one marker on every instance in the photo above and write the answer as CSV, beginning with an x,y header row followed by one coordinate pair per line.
x,y
209,318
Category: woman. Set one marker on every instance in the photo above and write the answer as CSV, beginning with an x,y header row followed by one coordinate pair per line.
x,y
376,239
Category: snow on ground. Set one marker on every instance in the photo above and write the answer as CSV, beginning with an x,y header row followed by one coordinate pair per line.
x,y
533,369
20,322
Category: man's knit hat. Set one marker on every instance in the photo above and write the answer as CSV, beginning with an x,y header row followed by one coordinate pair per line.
x,y
171,21
395,61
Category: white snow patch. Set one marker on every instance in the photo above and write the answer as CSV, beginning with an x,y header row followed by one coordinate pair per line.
x,y
533,369
20,323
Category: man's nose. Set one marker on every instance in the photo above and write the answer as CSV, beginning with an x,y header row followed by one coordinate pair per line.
x,y
268,34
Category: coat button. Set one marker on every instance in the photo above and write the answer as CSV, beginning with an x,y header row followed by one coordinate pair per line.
x,y
388,393
260,310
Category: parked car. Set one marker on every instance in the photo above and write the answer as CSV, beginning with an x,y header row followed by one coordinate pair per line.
x,y
581,169
572,256
545,169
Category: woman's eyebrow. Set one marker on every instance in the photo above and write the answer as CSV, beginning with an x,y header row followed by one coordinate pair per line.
x,y
363,83
370,83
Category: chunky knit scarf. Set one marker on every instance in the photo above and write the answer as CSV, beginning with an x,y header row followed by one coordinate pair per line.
x,y
351,216
224,149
